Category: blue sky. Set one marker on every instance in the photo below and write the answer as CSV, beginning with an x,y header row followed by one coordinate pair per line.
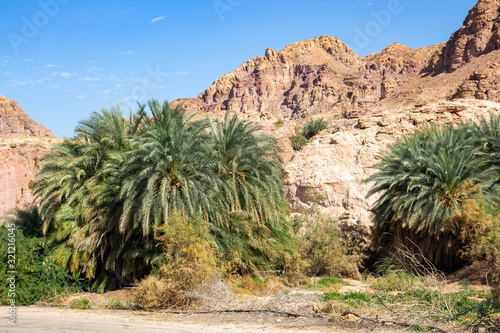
x,y
61,59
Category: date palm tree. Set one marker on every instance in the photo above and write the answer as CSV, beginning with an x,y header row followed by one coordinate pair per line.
x,y
251,191
423,180
79,205
105,193
167,172
486,134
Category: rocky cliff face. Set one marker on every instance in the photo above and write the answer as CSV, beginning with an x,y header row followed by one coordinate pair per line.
x,y
323,74
312,76
13,120
331,169
23,142
479,35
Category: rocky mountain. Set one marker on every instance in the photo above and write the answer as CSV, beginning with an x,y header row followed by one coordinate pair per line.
x,y
323,74
13,120
311,77
23,142
479,35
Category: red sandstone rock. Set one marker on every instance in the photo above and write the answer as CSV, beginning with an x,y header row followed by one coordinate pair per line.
x,y
13,120
23,142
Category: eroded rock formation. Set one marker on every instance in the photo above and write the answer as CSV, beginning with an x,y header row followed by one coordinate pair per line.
x,y
13,120
479,35
23,142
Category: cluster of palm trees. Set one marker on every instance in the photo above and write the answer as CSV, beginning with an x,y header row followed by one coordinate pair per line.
x,y
426,178
105,193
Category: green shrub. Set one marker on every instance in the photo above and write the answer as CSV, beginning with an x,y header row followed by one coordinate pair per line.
x,y
115,303
313,127
324,250
298,141
82,304
314,196
190,260
481,232
396,281
37,276
279,123
310,129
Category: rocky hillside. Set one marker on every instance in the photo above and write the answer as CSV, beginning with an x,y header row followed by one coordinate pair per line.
x,y
330,170
13,120
311,77
479,35
323,74
23,142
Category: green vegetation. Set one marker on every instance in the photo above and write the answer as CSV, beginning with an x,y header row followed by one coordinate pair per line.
x,y
106,194
279,123
439,207
303,135
298,141
397,281
82,304
191,260
115,303
313,127
37,276
327,282
425,181
320,250
439,306
172,203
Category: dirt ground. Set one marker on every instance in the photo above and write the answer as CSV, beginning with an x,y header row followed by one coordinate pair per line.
x,y
47,318
110,321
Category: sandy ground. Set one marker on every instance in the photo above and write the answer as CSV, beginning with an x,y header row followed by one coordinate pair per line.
x,y
44,319
99,319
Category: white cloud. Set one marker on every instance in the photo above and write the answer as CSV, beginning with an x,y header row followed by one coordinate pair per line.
x,y
28,60
94,69
46,66
80,96
66,74
20,82
156,19
88,78
183,73
127,52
